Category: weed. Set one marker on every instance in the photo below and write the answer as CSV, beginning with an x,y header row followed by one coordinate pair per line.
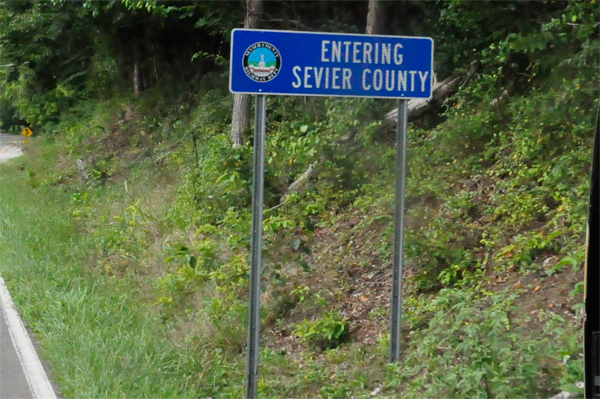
x,y
327,332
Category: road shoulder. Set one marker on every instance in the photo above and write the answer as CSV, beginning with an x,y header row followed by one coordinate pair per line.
x,y
20,362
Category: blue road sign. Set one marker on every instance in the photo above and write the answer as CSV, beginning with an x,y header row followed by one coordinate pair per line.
x,y
330,64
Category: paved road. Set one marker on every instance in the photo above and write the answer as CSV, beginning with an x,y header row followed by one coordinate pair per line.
x,y
10,146
13,384
22,375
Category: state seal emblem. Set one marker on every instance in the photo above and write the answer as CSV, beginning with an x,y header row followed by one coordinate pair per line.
x,y
262,62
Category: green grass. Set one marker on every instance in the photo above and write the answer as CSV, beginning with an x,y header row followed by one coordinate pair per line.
x,y
87,266
99,341
136,282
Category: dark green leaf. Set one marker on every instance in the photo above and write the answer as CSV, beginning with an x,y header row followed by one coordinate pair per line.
x,y
305,265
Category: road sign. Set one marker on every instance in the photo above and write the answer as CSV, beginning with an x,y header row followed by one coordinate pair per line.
x,y
326,64
330,64
27,132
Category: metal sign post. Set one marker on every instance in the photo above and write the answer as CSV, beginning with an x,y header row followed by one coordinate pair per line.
x,y
267,62
256,247
396,301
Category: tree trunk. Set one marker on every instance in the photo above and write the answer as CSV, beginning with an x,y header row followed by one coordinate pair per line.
x,y
154,63
254,14
240,118
374,18
137,78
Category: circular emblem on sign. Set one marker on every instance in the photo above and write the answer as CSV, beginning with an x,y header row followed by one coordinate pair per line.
x,y
262,62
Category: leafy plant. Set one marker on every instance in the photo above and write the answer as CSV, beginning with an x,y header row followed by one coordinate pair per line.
x,y
474,345
323,333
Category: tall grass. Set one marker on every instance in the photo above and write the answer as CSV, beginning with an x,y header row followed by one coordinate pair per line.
x,y
99,341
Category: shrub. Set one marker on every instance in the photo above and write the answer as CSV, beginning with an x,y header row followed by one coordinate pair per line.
x,y
476,345
325,333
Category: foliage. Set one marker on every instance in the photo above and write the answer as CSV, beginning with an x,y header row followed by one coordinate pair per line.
x,y
326,332
497,189
473,345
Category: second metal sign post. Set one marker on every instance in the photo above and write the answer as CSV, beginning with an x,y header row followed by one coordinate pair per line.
x,y
398,256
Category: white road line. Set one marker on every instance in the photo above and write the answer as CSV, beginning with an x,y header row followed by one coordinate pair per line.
x,y
32,367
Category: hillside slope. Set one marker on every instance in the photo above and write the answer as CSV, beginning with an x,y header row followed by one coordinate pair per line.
x,y
124,233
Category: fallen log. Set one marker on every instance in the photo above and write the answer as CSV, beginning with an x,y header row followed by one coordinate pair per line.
x,y
303,182
308,177
417,107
